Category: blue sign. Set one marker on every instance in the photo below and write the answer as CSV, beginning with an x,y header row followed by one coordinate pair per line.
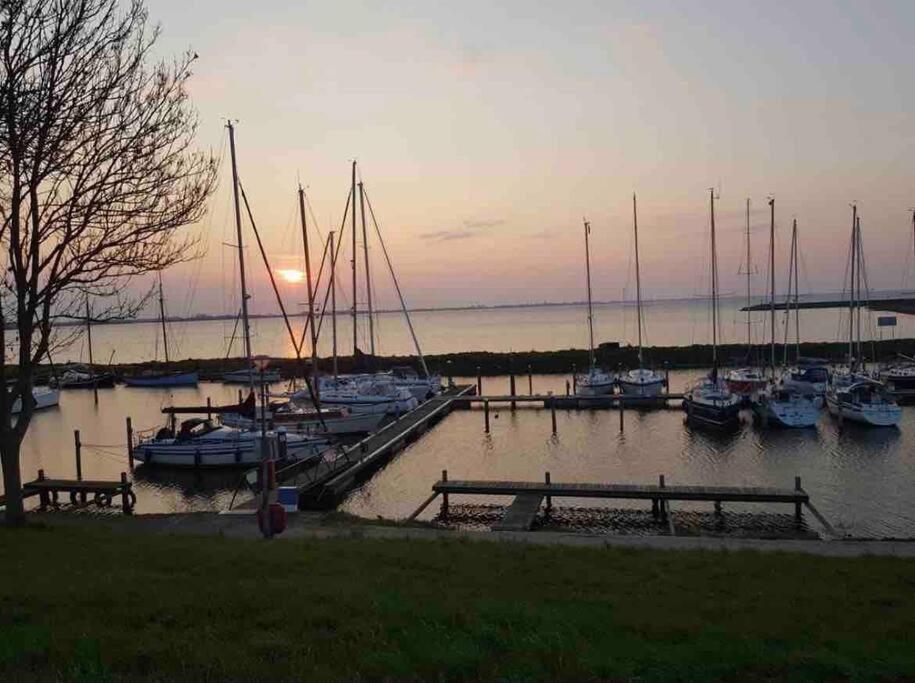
x,y
886,321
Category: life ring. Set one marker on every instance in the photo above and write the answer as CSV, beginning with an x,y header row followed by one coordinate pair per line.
x,y
102,499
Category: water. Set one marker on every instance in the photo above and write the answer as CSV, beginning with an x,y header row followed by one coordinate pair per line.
x,y
860,479
540,328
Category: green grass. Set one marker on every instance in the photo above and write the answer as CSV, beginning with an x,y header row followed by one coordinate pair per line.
x,y
80,603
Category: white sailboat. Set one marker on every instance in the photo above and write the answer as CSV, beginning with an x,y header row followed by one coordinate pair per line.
x,y
642,381
853,395
777,405
709,402
595,382
43,396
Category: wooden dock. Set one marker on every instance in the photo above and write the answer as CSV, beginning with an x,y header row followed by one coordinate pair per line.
x,y
528,496
102,493
323,485
574,401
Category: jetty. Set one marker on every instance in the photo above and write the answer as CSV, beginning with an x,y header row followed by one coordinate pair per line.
x,y
103,493
529,495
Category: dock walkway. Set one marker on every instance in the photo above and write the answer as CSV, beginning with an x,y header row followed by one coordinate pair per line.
x,y
102,493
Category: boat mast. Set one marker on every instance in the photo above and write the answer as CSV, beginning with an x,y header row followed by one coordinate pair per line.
x,y
772,276
590,310
161,318
714,282
797,292
355,293
311,294
792,296
638,279
333,297
749,302
858,298
246,325
851,294
368,279
89,331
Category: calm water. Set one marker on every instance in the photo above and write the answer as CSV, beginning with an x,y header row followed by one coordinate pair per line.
x,y
860,479
541,328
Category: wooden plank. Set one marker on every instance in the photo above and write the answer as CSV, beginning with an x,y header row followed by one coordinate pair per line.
x,y
521,513
822,520
72,485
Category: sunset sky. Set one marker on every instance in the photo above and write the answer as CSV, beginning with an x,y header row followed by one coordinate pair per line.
x,y
485,131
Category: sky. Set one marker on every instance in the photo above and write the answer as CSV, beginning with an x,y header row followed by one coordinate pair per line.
x,y
486,131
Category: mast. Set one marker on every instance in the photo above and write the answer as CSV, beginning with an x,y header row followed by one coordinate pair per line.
x,y
792,295
355,293
333,298
368,279
590,310
161,318
311,293
851,294
246,325
797,293
89,331
749,293
772,276
714,282
858,297
638,279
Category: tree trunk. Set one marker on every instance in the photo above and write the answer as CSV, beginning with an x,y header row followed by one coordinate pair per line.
x,y
12,481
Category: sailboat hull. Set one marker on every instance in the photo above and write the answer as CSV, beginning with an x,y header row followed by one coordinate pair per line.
x,y
176,379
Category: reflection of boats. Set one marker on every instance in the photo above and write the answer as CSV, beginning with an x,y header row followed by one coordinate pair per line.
x,y
201,443
44,396
709,402
595,381
155,378
642,381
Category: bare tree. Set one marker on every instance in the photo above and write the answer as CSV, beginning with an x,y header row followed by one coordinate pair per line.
x,y
99,174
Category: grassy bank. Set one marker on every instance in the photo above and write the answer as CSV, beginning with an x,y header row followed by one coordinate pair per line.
x,y
91,604
468,363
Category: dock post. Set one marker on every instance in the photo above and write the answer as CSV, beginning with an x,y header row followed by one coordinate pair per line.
x,y
43,494
666,377
129,443
125,495
574,379
511,387
79,462
797,506
530,381
567,388
209,408
549,499
622,411
486,415
553,413
239,395
444,496
662,504
479,381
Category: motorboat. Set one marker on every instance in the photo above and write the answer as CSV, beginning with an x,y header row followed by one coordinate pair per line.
x,y
200,442
857,397
779,406
710,403
44,396
641,382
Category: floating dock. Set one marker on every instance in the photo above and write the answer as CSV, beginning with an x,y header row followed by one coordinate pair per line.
x,y
574,401
528,496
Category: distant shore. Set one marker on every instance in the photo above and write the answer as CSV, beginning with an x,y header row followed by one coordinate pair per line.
x,y
609,355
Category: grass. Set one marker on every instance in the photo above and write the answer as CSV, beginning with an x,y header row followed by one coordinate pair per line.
x,y
87,603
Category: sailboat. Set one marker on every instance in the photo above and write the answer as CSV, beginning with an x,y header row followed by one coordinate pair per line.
x,y
853,395
808,376
900,376
85,376
747,380
154,378
642,381
778,405
709,402
596,381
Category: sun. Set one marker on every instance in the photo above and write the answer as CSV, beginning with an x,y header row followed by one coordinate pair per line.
x,y
291,275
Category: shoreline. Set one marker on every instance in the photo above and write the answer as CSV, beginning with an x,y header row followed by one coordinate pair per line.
x,y
609,355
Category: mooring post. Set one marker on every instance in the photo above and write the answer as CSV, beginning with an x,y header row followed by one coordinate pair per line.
x,y
549,499
444,495
479,381
129,444
567,388
574,379
125,495
797,505
239,395
209,408
553,413
662,504
486,415
511,387
622,411
718,508
530,381
42,493
666,377
79,463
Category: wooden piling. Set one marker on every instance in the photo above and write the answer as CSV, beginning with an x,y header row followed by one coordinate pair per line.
x,y
530,381
129,443
553,413
126,507
622,412
567,388
511,387
486,416
209,408
239,395
574,379
78,444
43,496
444,496
479,381
666,378
662,504
549,499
